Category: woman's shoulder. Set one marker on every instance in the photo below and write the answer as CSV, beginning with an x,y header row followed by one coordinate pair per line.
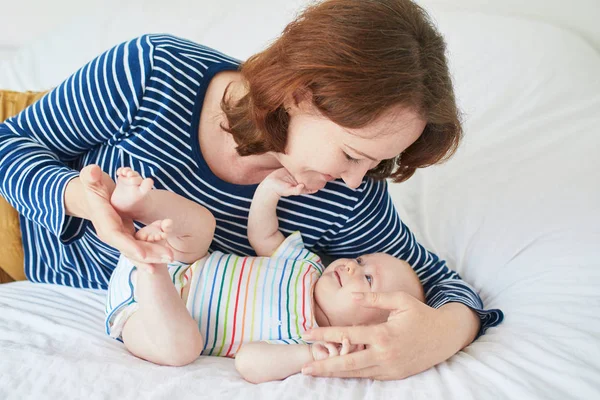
x,y
192,50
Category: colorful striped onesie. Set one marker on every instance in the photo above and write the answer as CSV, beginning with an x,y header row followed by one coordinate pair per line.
x,y
234,299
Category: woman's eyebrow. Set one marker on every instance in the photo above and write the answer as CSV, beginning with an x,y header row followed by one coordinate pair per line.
x,y
361,153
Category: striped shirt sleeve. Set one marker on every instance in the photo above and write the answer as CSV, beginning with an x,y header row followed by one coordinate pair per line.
x,y
375,226
41,147
293,248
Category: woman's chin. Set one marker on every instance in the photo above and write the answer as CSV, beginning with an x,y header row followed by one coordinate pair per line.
x,y
317,184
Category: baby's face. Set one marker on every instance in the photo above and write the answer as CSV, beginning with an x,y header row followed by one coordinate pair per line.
x,y
377,272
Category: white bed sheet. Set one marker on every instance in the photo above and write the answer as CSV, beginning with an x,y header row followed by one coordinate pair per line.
x,y
516,212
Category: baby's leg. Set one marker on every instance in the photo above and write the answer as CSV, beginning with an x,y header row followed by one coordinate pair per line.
x,y
193,225
161,330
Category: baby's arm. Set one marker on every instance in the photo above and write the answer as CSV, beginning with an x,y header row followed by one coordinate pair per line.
x,y
263,225
260,362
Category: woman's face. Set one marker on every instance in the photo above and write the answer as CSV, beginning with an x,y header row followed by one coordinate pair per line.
x,y
318,150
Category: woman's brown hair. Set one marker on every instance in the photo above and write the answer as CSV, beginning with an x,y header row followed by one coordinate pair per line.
x,y
358,58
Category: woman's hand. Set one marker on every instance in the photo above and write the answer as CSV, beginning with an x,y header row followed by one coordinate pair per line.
x,y
415,337
110,227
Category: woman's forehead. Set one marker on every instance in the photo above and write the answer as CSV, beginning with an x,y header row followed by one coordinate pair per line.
x,y
385,137
396,120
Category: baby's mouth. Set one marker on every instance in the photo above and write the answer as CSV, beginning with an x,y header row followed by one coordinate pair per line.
x,y
338,278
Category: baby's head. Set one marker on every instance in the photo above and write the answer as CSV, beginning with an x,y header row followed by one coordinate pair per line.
x,y
379,272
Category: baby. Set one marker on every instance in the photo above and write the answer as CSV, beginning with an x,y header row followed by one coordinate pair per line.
x,y
226,305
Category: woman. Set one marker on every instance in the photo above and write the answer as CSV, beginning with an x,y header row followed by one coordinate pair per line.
x,y
352,92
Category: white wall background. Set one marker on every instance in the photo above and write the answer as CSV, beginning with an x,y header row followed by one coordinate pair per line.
x,y
43,41
24,21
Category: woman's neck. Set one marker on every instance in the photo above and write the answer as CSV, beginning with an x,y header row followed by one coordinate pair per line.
x,y
218,146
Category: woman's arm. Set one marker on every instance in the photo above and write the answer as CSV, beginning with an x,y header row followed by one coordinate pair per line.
x,y
41,147
260,362
375,221
433,332
415,338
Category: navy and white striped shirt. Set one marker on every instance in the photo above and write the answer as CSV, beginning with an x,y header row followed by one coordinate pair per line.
x,y
138,105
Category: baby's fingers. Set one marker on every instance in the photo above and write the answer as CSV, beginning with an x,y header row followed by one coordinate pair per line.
x,y
332,348
298,189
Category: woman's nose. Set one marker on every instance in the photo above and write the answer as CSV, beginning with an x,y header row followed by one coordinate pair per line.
x,y
353,177
351,181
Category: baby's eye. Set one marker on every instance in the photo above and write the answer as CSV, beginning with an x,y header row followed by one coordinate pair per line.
x,y
369,279
359,260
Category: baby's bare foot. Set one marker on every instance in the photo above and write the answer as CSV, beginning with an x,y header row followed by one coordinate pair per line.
x,y
130,191
156,231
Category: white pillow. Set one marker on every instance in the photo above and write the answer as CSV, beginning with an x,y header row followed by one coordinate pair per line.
x,y
517,210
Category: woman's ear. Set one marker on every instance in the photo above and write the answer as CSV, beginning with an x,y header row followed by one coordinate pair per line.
x,y
299,102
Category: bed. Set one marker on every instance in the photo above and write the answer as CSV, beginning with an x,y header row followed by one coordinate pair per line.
x,y
516,212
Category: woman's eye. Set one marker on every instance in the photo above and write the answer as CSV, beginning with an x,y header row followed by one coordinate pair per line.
x,y
350,158
369,279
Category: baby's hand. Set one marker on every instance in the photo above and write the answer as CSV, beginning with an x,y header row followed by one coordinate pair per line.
x,y
156,232
283,183
323,350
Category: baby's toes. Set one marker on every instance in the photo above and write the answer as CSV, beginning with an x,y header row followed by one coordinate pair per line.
x,y
132,174
146,185
159,236
122,171
142,234
149,234
129,176
166,226
133,180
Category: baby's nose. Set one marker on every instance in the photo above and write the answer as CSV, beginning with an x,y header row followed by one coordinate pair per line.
x,y
350,267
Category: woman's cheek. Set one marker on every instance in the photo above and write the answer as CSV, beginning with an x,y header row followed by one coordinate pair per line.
x,y
332,165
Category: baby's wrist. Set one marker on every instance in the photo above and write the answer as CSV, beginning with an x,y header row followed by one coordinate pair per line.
x,y
266,190
311,355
